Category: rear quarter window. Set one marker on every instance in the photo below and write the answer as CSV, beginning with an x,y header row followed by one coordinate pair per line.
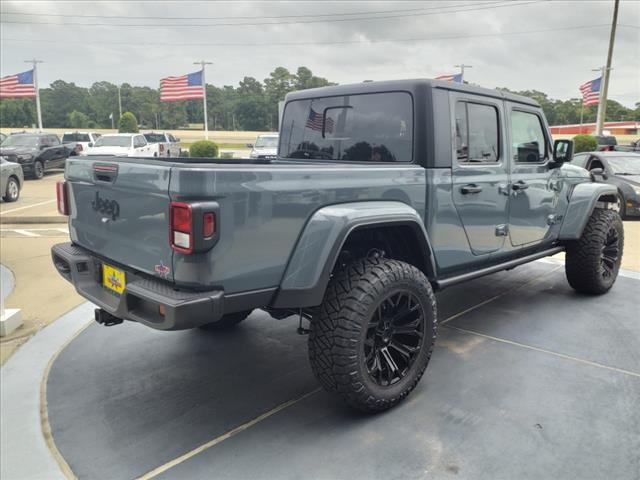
x,y
376,127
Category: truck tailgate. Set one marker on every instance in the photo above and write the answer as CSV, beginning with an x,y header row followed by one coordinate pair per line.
x,y
120,210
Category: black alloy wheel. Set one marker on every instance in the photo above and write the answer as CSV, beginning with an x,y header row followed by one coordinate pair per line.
x,y
394,337
610,254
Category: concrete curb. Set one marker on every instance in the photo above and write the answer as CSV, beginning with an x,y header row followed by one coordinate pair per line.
x,y
25,453
33,220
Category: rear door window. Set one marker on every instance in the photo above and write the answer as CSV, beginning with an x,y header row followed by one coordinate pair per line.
x,y
477,136
375,127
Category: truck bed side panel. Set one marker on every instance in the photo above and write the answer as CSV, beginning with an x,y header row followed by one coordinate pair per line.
x,y
263,210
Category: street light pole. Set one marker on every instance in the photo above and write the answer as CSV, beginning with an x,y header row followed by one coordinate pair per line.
x,y
119,102
202,63
35,63
602,106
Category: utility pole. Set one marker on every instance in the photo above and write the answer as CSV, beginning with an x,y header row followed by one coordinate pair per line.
x,y
462,67
204,97
604,87
119,102
35,63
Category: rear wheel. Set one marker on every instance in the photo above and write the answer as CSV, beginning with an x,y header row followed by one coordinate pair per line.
x,y
227,321
593,261
12,193
373,336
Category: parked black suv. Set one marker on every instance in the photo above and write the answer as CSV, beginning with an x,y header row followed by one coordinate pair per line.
x,y
35,152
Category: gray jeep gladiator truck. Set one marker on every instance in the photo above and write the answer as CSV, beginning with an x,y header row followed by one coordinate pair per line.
x,y
381,194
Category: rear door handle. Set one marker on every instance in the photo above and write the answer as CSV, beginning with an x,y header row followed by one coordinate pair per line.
x,y
471,188
519,186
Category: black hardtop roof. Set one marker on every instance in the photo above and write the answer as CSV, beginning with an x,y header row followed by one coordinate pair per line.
x,y
406,85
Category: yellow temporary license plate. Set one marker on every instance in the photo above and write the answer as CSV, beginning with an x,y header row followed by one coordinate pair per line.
x,y
113,279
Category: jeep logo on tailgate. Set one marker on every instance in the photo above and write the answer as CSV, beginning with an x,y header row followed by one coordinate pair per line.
x,y
106,206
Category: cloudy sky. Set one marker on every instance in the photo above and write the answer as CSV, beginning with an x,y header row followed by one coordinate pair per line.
x,y
522,44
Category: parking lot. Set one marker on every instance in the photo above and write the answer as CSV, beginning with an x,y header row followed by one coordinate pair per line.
x,y
528,378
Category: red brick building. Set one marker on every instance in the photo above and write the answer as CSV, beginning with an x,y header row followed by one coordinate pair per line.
x,y
614,128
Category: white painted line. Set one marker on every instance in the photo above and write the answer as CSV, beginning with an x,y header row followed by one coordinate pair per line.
x,y
206,446
27,233
549,352
28,206
63,230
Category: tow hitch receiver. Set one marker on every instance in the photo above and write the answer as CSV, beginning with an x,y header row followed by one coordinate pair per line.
x,y
106,319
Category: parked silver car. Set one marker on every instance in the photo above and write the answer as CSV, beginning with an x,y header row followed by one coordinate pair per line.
x,y
11,180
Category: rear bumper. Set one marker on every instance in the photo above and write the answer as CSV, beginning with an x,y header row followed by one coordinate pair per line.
x,y
143,297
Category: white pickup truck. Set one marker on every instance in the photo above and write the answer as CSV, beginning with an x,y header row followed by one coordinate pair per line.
x,y
124,145
168,145
83,140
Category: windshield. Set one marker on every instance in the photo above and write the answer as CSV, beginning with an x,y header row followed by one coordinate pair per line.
x,y
76,137
267,142
154,137
625,165
376,127
21,141
113,141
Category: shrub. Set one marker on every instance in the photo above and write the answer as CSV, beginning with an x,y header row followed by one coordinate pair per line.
x,y
226,155
128,123
584,143
203,148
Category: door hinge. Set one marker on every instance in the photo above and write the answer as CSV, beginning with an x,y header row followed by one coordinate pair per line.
x,y
502,230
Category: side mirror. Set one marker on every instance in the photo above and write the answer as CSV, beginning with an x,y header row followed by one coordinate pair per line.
x,y
90,145
176,139
249,145
562,151
42,146
598,172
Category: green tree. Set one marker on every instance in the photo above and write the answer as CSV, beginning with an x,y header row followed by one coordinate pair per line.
x,y
304,79
585,143
203,149
128,123
77,119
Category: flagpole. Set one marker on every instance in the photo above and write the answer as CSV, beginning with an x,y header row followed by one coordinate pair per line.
x,y
581,112
35,63
204,97
599,120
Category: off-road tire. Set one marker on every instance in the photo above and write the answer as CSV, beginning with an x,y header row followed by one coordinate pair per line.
x,y
585,261
38,170
228,321
12,193
339,330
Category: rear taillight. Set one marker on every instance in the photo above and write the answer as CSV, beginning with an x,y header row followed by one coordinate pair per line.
x,y
161,147
181,227
79,147
62,194
193,226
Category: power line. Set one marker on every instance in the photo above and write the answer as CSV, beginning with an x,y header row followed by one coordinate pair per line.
x,y
337,42
147,17
209,25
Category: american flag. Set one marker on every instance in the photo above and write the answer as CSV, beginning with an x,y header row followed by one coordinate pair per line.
x,y
186,87
591,92
20,85
316,120
453,77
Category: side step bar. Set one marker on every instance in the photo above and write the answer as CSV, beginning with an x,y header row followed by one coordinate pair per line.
x,y
447,282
